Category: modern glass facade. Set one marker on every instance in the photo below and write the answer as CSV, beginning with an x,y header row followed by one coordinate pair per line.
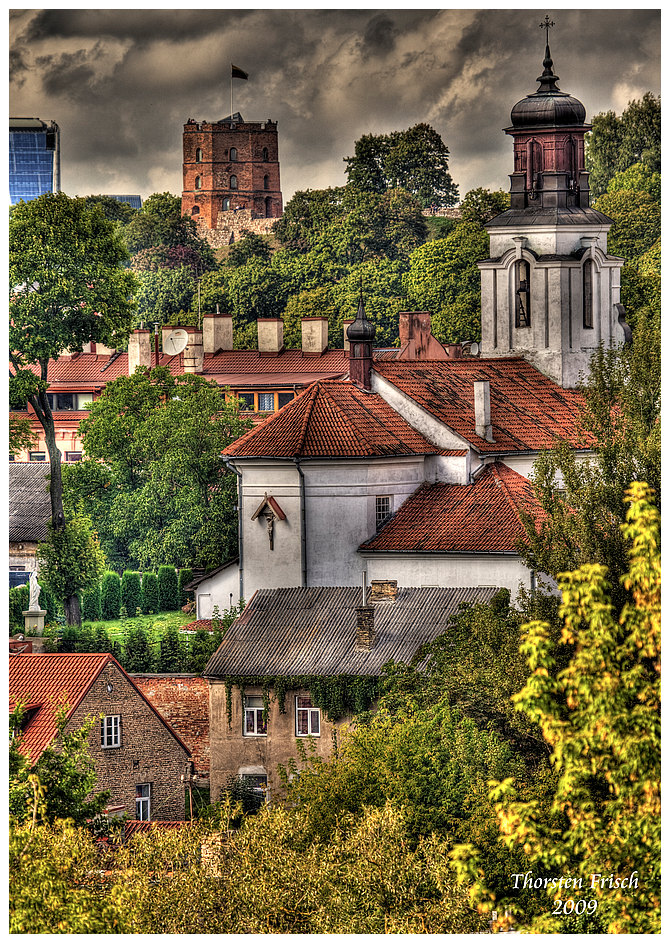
x,y
34,158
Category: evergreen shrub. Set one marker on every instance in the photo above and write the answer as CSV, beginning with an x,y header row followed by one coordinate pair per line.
x,y
168,589
131,591
90,604
110,595
185,577
149,593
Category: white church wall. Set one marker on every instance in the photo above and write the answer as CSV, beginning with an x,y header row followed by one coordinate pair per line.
x,y
504,570
222,590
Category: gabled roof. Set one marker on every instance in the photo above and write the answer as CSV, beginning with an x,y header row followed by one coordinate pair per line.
x,y
312,630
43,679
484,517
528,410
333,418
29,501
236,368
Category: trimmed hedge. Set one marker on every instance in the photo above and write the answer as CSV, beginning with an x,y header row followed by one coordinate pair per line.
x,y
149,593
168,589
19,597
110,595
90,604
131,592
185,577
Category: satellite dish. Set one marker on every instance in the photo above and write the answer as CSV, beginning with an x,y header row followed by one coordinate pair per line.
x,y
474,348
175,342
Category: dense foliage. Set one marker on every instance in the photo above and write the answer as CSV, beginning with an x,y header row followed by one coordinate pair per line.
x,y
616,143
71,560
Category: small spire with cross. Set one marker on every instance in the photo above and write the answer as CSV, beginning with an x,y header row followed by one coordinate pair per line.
x,y
548,79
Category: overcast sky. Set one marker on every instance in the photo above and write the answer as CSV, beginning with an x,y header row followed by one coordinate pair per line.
x,y
122,83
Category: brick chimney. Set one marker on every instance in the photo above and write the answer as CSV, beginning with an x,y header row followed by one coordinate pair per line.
x,y
270,336
193,352
365,628
139,350
314,336
383,591
483,425
217,332
345,325
416,338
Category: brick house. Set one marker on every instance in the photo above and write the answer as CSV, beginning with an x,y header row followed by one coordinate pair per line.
x,y
318,632
138,757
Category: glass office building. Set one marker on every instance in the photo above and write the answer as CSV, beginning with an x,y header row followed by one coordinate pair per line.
x,y
34,158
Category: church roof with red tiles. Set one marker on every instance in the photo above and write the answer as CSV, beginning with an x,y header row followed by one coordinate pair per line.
x,y
333,418
528,410
484,517
42,681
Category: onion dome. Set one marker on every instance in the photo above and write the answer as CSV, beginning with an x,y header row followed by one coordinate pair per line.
x,y
361,331
548,107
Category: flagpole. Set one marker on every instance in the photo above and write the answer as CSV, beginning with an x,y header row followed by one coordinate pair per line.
x,y
231,96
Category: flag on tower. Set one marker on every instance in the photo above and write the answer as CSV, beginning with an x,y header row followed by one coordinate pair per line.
x,y
238,73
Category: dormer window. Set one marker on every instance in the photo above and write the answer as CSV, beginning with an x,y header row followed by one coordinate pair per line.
x,y
587,294
198,155
233,182
521,293
233,153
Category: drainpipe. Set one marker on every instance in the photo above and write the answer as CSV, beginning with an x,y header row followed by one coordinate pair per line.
x,y
303,527
240,545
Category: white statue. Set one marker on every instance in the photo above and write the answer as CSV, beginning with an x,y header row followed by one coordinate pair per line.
x,y
34,604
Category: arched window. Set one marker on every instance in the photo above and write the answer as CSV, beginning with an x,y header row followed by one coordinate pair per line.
x,y
266,182
233,182
521,293
268,207
198,183
198,154
195,210
225,203
233,153
266,155
587,293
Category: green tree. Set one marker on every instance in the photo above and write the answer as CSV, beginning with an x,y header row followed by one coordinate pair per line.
x,y
637,222
172,656
168,589
443,278
61,783
316,302
615,144
114,210
90,604
71,560
163,496
639,178
416,160
131,591
481,205
137,654
185,577
149,593
110,595
306,215
601,717
156,258
163,293
67,288
160,223
251,246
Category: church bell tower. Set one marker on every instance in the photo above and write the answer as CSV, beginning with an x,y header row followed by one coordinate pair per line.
x,y
550,291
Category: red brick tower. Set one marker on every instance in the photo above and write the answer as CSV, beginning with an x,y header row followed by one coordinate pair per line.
x,y
230,165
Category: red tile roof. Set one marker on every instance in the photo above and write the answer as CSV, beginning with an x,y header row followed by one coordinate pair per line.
x,y
528,410
333,418
443,518
42,680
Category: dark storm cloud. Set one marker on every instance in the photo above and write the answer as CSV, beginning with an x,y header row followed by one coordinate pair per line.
x,y
122,83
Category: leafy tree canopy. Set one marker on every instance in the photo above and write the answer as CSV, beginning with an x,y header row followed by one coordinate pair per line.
x,y
615,144
415,160
637,177
481,205
637,222
160,223
71,561
162,495
251,246
163,293
112,209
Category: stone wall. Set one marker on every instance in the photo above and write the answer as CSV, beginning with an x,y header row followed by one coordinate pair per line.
x,y
230,226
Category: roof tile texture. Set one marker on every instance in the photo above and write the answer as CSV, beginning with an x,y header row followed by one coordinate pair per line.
x,y
333,418
443,518
29,501
528,410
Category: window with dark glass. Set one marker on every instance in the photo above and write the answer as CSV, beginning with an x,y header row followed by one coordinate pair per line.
x,y
247,400
266,182
233,153
266,155
307,717
382,509
198,154
110,731
255,724
587,295
225,203
195,211
283,399
522,293
62,400
37,456
198,183
73,456
233,182
143,802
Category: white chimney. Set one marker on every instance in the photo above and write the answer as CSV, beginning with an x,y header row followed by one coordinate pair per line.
x,y
139,350
193,352
483,426
345,325
217,332
314,336
270,336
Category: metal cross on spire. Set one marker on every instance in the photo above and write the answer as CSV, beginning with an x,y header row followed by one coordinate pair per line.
x,y
547,25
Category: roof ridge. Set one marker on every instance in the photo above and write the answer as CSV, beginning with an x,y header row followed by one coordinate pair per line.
x,y
313,390
506,489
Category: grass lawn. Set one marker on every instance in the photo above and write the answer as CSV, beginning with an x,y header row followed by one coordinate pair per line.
x,y
154,625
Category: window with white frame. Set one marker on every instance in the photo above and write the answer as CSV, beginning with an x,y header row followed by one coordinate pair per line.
x,y
266,402
307,717
143,802
382,509
255,725
110,731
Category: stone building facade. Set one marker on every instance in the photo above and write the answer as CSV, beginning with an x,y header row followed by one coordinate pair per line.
x,y
230,166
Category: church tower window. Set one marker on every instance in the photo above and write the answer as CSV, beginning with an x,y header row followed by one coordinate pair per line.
x,y
233,182
198,155
522,293
587,294
233,153
225,203
198,183
266,155
266,182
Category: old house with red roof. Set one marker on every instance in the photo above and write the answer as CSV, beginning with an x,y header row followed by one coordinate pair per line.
x,y
138,756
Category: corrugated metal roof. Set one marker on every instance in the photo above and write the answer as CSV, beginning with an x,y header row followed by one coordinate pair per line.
x,y
29,501
312,630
